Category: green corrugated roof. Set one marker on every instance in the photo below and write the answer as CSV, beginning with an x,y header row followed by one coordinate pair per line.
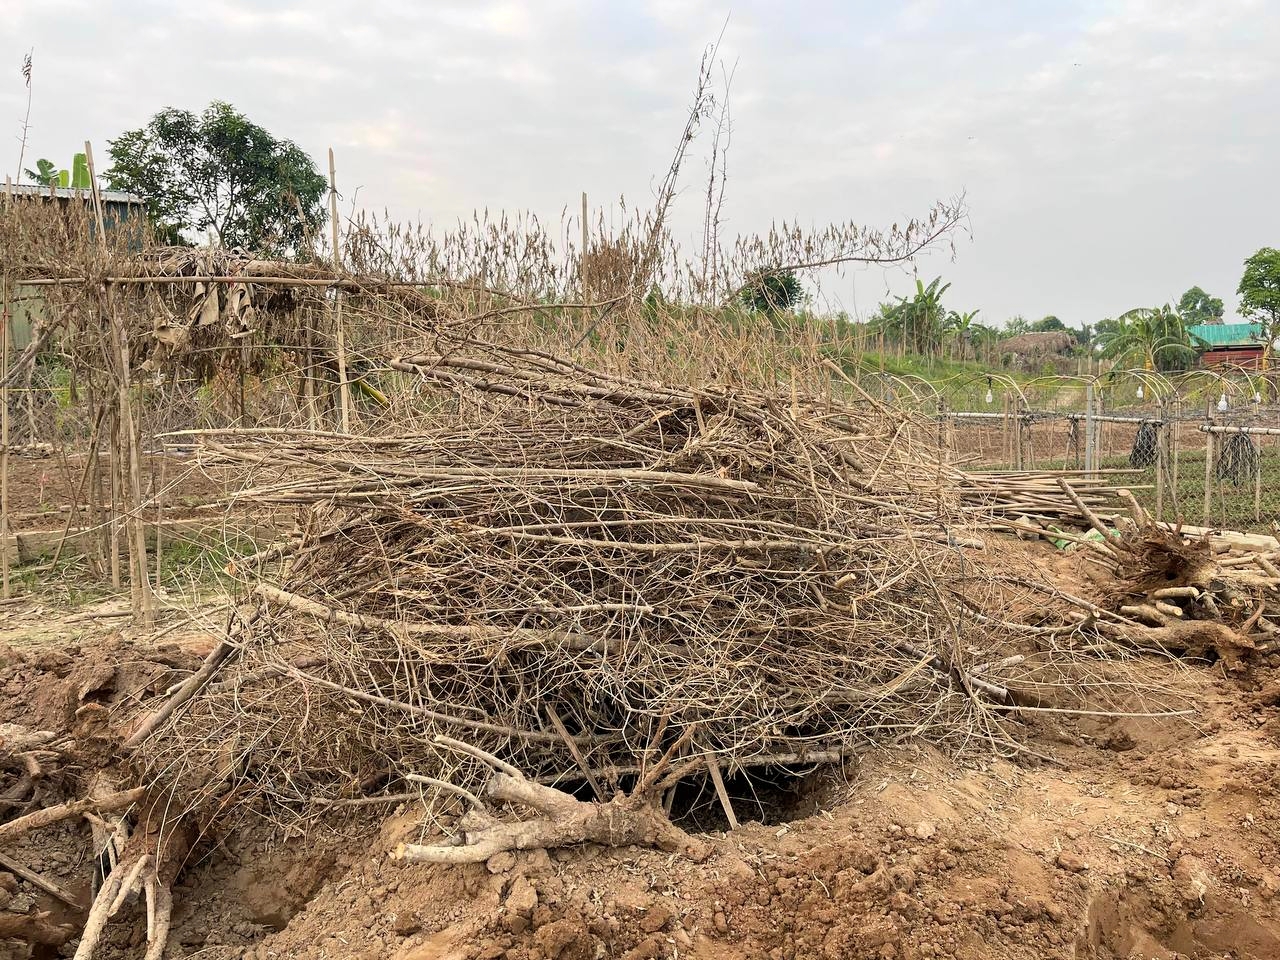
x,y
1228,334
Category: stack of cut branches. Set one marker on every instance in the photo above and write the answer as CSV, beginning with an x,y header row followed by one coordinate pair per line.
x,y
598,572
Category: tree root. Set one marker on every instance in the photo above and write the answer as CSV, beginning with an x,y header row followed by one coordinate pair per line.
x,y
122,886
635,818
144,861
42,818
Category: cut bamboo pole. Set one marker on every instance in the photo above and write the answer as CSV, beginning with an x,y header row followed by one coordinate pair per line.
x,y
1005,445
1018,438
139,576
159,548
4,422
344,390
129,432
113,521
582,254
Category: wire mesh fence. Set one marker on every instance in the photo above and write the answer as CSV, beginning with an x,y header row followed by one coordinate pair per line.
x,y
1218,469
1202,448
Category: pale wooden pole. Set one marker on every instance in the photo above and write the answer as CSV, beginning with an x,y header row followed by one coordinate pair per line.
x,y
344,393
139,575
1006,445
159,547
4,418
582,254
113,521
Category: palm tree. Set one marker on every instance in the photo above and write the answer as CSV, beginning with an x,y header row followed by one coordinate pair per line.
x,y
1154,338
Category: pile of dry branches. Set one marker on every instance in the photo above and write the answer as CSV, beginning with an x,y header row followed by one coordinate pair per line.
x,y
595,571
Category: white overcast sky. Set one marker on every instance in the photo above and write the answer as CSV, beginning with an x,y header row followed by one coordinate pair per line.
x,y
1114,152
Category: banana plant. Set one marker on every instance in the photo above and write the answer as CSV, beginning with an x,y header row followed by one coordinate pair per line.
x,y
44,174
80,172
47,175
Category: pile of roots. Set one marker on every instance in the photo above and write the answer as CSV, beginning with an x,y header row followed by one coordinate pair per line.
x,y
596,578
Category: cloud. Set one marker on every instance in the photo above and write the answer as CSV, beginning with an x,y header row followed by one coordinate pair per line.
x,y
1114,151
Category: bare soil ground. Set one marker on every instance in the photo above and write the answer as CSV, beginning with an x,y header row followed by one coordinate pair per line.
x,y
1140,838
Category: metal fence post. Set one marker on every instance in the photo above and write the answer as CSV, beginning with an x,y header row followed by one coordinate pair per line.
x,y
1257,482
1161,460
1089,452
1208,474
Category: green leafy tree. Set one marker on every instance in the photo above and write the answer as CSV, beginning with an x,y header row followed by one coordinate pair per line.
x,y
771,292
1196,306
1154,338
219,173
1260,295
1016,326
1047,324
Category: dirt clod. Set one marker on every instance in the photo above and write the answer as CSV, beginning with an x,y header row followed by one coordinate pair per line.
x,y
1072,862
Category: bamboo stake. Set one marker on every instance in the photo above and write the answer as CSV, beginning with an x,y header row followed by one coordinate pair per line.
x,y
4,428
582,255
124,461
159,548
113,520
129,436
308,371
344,391
1005,453
1019,439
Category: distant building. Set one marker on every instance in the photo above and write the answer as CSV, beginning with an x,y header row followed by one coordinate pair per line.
x,y
120,211
117,207
1230,344
1039,346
